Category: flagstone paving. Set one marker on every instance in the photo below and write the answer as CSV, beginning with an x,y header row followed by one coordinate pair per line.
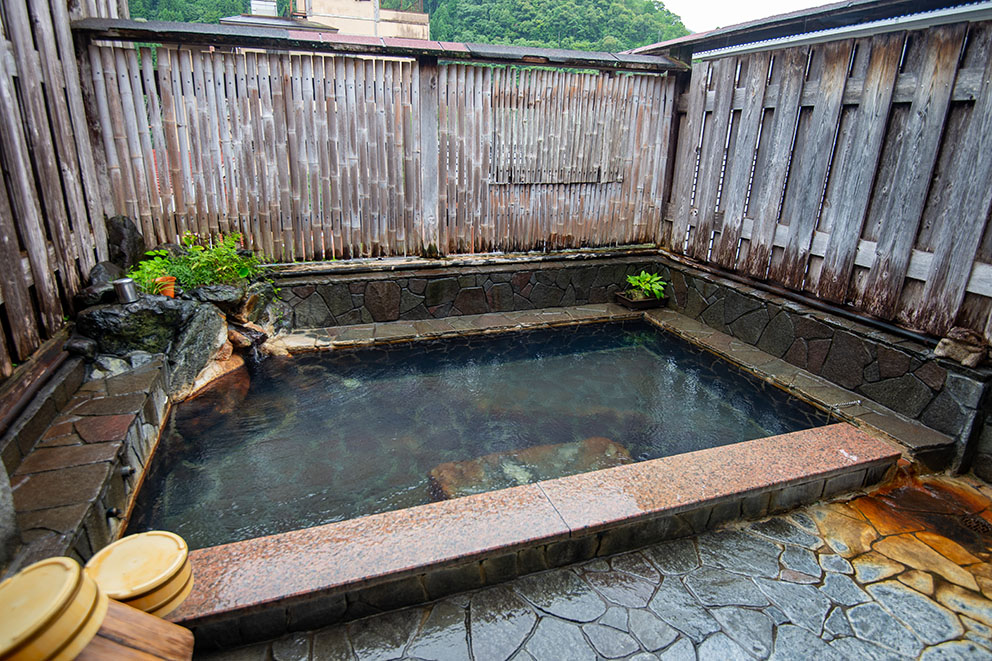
x,y
901,573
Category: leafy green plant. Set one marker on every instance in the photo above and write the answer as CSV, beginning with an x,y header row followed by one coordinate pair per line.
x,y
646,285
197,265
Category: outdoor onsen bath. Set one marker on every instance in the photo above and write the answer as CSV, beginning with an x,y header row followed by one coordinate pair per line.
x,y
328,436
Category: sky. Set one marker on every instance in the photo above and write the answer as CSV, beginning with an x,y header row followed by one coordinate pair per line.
x,y
701,15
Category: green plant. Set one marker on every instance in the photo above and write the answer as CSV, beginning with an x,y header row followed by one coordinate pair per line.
x,y
645,285
197,265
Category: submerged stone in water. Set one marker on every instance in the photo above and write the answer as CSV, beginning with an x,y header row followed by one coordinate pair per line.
x,y
508,469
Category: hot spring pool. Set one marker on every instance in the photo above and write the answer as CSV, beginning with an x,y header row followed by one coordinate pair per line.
x,y
329,436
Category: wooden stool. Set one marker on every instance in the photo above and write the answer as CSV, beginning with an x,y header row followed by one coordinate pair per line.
x,y
128,633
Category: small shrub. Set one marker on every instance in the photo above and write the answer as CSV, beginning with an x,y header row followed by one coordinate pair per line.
x,y
646,285
198,265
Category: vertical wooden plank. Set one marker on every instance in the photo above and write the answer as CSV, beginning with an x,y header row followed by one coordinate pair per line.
x,y
162,156
26,208
711,156
810,179
688,158
848,214
741,162
282,162
80,127
119,203
40,143
967,210
130,141
141,121
16,297
197,192
767,200
902,206
78,225
431,170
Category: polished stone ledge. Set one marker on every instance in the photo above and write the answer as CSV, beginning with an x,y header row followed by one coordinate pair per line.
x,y
263,587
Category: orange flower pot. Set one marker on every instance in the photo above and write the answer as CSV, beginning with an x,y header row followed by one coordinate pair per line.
x,y
167,286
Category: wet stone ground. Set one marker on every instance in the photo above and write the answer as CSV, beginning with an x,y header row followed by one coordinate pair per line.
x,y
901,573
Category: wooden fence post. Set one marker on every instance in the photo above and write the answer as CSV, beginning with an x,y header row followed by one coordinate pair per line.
x,y
431,168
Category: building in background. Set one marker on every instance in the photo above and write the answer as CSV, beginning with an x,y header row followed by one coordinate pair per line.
x,y
355,17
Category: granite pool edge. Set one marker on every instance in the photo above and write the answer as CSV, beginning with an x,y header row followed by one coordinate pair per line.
x,y
262,587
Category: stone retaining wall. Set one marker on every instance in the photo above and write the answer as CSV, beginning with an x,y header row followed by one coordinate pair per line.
x,y
900,374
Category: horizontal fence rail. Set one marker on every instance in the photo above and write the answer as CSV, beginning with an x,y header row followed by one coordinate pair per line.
x,y
314,156
855,171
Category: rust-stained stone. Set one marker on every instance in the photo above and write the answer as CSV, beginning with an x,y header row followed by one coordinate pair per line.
x,y
920,581
846,535
874,566
966,603
947,548
48,459
886,520
103,428
503,469
911,551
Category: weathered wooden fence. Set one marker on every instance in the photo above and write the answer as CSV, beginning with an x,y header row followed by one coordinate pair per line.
x,y
51,207
314,156
855,171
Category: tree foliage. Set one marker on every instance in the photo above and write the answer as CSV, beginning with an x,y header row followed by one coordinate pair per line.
x,y
607,25
200,11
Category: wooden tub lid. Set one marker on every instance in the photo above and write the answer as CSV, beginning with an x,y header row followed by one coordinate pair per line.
x,y
33,598
138,564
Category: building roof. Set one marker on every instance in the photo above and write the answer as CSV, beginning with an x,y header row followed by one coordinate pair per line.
x,y
275,22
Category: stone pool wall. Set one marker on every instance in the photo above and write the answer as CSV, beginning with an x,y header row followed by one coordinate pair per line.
x,y
76,458
899,374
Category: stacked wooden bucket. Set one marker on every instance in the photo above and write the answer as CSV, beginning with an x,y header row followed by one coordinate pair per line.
x,y
54,609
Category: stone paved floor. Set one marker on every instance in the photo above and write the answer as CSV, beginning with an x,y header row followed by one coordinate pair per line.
x,y
901,573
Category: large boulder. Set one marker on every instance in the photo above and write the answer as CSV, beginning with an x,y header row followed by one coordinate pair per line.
x,y
125,244
199,340
104,273
227,297
149,324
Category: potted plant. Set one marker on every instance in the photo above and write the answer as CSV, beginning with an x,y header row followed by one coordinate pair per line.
x,y
645,290
195,265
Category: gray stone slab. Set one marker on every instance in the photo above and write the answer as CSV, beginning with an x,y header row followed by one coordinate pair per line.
x,y
804,605
636,564
443,636
676,606
781,529
874,625
553,636
801,560
751,629
682,650
835,563
259,652
332,643
837,624
615,617
931,622
621,588
500,622
958,650
716,587
561,593
294,647
842,590
793,643
855,648
385,636
653,633
675,557
720,647
609,642
739,552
